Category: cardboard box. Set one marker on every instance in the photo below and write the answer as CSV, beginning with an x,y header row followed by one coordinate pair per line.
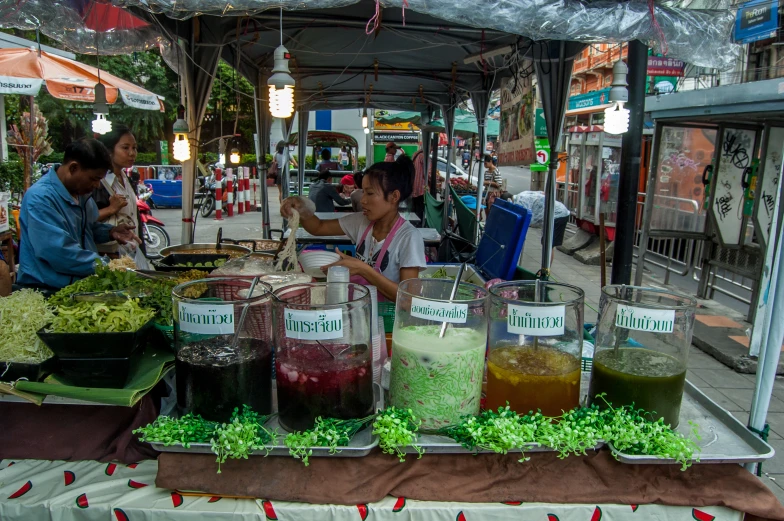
x,y
4,215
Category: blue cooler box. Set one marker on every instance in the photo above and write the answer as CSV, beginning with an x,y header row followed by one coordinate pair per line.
x,y
166,193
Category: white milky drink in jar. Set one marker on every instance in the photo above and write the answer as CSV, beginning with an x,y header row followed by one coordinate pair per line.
x,y
438,378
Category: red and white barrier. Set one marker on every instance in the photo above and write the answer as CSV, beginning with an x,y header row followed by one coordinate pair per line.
x,y
246,177
218,195
229,192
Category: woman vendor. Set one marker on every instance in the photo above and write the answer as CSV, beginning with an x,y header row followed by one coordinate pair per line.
x,y
115,197
389,248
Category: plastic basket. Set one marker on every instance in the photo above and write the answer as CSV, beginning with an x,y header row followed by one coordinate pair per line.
x,y
386,310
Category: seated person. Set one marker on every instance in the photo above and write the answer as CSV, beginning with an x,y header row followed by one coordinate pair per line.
x,y
59,220
534,202
347,185
324,194
327,163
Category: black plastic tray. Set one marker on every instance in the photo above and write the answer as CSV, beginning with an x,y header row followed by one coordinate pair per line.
x,y
12,371
177,261
96,372
95,345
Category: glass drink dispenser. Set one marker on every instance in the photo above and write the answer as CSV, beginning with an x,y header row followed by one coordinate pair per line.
x,y
323,353
642,344
438,376
224,346
535,339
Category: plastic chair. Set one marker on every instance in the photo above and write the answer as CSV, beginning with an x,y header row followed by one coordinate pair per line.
x,y
466,218
434,211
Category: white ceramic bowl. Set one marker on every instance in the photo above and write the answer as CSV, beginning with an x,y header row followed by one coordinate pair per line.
x,y
317,259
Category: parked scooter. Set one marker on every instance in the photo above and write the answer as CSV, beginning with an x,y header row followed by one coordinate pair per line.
x,y
152,233
205,194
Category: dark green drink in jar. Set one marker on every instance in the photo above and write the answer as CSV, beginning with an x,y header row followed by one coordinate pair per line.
x,y
648,379
642,345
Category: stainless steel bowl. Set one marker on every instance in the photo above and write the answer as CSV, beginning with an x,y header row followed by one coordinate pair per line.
x,y
186,248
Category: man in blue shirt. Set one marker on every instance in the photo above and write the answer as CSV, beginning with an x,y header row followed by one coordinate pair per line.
x,y
59,220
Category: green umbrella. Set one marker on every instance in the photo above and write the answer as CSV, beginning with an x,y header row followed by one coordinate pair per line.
x,y
400,117
465,122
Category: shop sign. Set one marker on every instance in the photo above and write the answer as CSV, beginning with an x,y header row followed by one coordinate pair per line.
x,y
540,125
642,319
397,137
324,324
516,139
737,150
535,320
4,222
542,154
439,311
405,127
661,66
591,99
164,152
203,319
756,20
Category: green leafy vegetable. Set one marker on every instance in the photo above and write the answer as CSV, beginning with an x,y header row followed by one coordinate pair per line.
x,y
22,314
191,428
397,428
241,436
329,432
97,317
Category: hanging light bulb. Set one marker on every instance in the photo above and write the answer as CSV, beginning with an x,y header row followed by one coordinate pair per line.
x,y
182,147
101,125
367,130
235,156
364,118
281,86
616,117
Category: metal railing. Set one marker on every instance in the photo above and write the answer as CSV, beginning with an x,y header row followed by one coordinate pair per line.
x,y
682,257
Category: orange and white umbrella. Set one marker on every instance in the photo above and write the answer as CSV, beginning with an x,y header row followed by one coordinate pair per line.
x,y
24,71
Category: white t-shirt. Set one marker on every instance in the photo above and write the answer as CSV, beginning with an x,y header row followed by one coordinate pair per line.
x,y
406,251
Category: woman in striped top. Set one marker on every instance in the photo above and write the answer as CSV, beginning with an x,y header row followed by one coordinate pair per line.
x,y
492,183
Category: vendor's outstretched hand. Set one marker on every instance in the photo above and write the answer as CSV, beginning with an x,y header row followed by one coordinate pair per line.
x,y
123,233
354,265
305,207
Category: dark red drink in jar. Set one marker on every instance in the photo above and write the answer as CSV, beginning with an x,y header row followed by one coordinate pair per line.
x,y
323,380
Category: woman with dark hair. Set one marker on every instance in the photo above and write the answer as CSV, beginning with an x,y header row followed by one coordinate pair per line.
x,y
389,248
323,194
116,197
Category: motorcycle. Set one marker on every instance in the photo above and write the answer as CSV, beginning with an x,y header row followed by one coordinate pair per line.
x,y
205,195
152,233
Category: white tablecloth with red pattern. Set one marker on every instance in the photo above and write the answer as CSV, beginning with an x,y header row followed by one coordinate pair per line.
x,y
88,490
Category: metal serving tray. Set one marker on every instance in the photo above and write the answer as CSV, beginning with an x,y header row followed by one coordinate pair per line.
x,y
360,445
724,438
434,444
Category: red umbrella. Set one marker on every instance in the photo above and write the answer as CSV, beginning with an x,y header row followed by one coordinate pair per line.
x,y
102,16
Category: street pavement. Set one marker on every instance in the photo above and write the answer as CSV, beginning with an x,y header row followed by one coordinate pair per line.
x,y
731,390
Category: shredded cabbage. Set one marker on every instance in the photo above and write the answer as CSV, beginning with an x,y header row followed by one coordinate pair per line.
x,y
22,314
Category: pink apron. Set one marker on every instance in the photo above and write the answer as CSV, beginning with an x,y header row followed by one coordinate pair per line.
x,y
358,279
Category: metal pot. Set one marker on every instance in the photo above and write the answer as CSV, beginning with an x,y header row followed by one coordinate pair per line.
x,y
187,248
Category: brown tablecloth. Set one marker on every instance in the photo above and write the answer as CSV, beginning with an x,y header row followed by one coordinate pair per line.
x,y
595,478
75,432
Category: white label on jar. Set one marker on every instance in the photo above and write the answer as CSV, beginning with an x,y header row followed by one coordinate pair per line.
x,y
535,320
216,319
439,311
314,325
643,319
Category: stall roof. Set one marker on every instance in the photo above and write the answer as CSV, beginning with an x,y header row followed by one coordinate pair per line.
x,y
753,102
325,138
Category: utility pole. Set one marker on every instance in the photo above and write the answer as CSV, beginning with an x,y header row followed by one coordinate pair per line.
x,y
631,147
